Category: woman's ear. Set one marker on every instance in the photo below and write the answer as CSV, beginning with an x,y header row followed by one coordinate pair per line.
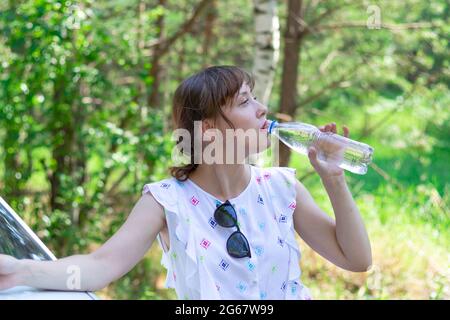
x,y
210,129
207,124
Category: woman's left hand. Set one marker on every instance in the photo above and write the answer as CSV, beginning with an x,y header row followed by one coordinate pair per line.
x,y
328,169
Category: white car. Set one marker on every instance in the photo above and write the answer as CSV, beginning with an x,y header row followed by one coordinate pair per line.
x,y
18,240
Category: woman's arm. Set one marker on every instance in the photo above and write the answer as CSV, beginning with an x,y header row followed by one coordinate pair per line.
x,y
343,241
97,269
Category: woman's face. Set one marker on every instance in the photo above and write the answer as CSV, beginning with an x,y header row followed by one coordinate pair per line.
x,y
249,119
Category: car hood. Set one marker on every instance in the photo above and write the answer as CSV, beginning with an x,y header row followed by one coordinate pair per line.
x,y
29,293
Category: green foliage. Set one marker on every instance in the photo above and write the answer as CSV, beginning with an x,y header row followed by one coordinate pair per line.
x,y
69,125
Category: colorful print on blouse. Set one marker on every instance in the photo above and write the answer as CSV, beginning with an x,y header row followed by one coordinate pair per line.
x,y
197,262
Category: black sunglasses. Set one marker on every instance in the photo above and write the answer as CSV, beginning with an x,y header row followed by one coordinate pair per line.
x,y
237,244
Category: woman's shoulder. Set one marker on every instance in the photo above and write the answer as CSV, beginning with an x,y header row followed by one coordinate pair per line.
x,y
168,183
165,191
163,188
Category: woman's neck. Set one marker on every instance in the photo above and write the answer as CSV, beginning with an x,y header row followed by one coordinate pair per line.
x,y
223,181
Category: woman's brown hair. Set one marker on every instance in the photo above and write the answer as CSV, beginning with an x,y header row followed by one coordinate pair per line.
x,y
202,96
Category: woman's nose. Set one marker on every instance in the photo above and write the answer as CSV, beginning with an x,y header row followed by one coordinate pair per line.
x,y
262,109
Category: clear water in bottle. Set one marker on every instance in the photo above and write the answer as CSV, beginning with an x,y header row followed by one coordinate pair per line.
x,y
348,154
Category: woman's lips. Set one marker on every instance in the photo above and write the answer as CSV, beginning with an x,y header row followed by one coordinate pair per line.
x,y
264,126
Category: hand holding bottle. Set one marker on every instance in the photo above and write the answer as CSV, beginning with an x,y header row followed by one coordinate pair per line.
x,y
330,152
334,152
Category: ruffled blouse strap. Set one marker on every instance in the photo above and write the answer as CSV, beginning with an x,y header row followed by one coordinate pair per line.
x,y
169,193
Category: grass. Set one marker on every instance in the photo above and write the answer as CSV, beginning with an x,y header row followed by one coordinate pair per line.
x,y
410,256
406,265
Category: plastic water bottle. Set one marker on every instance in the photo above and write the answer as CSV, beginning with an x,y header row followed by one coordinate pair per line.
x,y
348,154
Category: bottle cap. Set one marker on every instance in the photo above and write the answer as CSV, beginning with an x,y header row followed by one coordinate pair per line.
x,y
272,125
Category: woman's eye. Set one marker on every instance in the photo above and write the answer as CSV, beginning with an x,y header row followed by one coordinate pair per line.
x,y
247,100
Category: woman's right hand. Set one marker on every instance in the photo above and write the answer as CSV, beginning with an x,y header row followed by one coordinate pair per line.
x,y
9,267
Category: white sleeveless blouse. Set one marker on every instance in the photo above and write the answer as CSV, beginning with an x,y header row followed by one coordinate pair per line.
x,y
198,265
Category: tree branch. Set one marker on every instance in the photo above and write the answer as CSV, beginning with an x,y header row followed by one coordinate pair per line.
x,y
116,184
318,94
363,24
184,28
332,85
381,122
327,13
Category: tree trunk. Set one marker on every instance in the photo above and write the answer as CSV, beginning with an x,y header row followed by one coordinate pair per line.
x,y
62,134
11,162
154,98
210,18
292,41
267,47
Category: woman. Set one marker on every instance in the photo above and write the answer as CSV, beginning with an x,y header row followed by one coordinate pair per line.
x,y
226,227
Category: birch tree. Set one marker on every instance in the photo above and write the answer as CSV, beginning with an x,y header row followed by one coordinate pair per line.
x,y
267,46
